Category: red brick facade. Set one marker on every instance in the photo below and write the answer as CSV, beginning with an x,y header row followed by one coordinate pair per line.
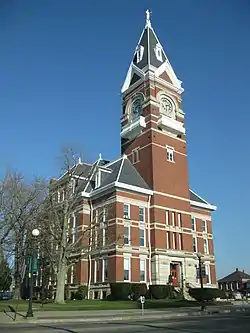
x,y
165,228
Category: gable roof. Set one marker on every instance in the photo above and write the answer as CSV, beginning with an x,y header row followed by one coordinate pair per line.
x,y
235,276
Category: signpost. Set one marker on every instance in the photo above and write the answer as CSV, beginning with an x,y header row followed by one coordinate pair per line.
x,y
142,299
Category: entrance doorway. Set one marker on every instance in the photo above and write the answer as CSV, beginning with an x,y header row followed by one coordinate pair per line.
x,y
174,272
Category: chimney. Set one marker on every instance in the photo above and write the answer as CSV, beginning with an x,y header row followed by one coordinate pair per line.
x,y
243,271
237,269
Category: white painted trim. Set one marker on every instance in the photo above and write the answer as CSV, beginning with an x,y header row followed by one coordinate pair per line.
x,y
133,188
201,205
121,166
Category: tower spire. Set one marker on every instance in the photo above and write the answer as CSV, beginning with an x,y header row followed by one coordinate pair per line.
x,y
148,13
148,56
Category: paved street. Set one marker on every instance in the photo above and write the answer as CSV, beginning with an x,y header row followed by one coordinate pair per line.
x,y
234,323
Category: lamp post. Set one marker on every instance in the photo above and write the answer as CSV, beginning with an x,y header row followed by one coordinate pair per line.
x,y
35,233
199,255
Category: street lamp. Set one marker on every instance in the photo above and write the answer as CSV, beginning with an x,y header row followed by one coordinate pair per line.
x,y
35,233
199,255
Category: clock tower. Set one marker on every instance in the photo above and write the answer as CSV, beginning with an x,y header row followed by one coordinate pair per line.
x,y
153,133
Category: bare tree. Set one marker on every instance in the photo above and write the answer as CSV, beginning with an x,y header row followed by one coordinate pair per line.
x,y
64,241
20,204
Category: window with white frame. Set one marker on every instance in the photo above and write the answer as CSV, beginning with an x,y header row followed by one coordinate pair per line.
x,y
142,270
205,246
98,179
126,263
61,196
135,155
208,274
105,269
126,211
167,240
126,235
105,224
173,219
75,227
170,154
141,214
142,236
167,217
95,271
204,225
174,240
158,52
180,241
139,53
179,220
193,224
194,244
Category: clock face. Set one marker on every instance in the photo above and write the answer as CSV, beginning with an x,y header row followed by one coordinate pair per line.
x,y
136,108
167,107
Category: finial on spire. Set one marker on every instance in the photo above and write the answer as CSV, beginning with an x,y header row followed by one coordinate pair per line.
x,y
148,23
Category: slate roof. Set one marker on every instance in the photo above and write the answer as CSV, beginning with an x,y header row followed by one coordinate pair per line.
x,y
195,197
234,277
120,170
148,41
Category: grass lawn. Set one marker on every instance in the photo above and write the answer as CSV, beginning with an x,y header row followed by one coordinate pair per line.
x,y
86,305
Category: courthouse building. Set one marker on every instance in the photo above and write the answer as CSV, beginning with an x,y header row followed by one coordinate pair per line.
x,y
160,222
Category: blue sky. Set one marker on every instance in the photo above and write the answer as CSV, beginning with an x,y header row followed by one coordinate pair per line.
x,y
62,64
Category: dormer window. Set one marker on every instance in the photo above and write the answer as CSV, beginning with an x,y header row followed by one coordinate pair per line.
x,y
98,179
139,53
158,52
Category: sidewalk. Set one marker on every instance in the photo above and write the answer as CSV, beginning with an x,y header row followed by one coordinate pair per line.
x,y
103,316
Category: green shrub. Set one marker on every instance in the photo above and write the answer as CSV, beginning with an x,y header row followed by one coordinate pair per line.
x,y
209,294
81,292
138,289
158,291
120,290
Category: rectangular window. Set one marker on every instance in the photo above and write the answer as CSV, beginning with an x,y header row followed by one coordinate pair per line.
x,y
97,179
142,270
141,214
142,237
170,154
174,240
167,240
204,226
179,220
75,228
193,224
126,235
105,269
180,241
95,271
126,211
126,269
135,155
61,196
207,268
194,244
205,246
173,219
167,217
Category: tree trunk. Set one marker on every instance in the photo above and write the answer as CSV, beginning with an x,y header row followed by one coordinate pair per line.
x,y
60,283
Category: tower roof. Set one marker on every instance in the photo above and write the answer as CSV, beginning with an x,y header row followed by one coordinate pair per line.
x,y
149,55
